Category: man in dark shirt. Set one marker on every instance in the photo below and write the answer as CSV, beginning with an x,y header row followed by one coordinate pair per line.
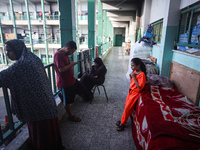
x,y
65,78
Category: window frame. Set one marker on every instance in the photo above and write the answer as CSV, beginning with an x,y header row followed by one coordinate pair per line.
x,y
159,31
188,10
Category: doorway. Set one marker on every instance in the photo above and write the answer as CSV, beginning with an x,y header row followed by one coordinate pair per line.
x,y
118,40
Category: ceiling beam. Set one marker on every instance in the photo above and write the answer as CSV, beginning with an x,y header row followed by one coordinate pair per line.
x,y
17,2
120,13
112,6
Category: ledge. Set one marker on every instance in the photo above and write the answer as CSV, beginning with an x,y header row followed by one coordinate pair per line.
x,y
196,54
157,45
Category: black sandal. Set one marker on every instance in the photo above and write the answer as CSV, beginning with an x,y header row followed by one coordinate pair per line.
x,y
118,123
74,118
120,127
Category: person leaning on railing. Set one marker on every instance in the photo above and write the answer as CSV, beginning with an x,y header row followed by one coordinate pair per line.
x,y
32,100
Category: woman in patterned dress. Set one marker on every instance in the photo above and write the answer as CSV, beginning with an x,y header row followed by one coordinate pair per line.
x,y
32,100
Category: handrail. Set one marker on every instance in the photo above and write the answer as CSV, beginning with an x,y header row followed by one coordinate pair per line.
x,y
32,17
52,77
14,127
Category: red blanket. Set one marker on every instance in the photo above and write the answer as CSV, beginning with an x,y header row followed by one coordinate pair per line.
x,y
162,120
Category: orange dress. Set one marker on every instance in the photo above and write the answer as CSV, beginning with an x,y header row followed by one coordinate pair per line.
x,y
133,95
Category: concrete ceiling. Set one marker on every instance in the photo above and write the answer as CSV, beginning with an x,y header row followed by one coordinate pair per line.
x,y
121,12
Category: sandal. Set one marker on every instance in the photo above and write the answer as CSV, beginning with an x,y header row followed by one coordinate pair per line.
x,y
118,123
120,127
74,119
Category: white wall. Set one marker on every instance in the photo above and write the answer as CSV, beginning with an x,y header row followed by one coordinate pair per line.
x,y
185,3
39,8
158,9
82,6
43,51
4,8
145,15
82,30
32,7
54,7
119,31
22,7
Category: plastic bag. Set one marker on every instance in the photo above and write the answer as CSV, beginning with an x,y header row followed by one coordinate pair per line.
x,y
140,50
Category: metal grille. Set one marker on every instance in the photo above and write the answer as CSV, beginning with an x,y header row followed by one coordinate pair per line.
x,y
157,31
189,28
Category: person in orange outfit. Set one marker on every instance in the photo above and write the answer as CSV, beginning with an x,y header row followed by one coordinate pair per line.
x,y
138,80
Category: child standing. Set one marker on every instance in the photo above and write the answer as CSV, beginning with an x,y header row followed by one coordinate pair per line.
x,y
138,80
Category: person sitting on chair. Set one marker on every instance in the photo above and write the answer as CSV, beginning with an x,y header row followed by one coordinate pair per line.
x,y
96,75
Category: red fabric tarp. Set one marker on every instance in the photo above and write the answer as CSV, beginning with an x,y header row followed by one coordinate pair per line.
x,y
162,120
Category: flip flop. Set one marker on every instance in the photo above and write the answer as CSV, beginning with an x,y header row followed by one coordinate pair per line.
x,y
74,119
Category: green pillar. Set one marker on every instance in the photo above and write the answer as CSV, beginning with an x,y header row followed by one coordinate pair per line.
x,y
104,30
13,18
75,37
100,27
107,32
112,37
3,46
45,31
68,26
110,33
110,30
91,27
66,34
29,24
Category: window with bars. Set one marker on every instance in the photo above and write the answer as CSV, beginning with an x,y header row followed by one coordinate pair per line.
x,y
189,29
157,31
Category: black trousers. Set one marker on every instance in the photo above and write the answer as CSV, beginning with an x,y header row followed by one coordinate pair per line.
x,y
89,82
70,92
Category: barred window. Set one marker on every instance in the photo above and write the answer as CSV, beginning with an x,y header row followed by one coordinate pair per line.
x,y
157,31
188,36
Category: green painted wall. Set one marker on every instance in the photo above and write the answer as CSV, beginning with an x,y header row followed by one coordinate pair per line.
x,y
163,52
187,60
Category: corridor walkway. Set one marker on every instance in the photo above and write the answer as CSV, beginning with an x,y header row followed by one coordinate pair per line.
x,y
97,130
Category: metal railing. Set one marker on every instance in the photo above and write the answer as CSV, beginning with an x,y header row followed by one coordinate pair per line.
x,y
32,17
14,127
38,41
85,17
